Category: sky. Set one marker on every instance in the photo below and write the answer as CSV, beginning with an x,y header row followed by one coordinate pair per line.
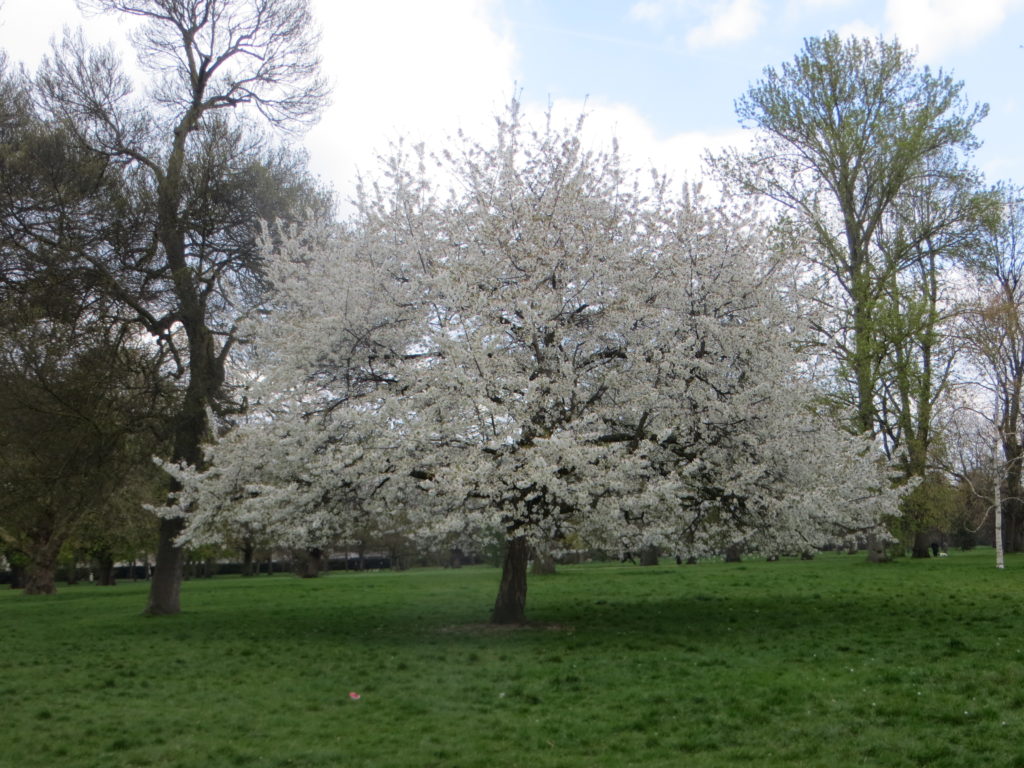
x,y
661,76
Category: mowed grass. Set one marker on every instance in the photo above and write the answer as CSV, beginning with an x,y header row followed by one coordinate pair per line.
x,y
832,662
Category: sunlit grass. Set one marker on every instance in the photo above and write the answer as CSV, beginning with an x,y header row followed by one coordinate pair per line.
x,y
823,663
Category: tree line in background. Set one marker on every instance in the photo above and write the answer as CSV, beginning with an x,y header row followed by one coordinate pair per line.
x,y
523,342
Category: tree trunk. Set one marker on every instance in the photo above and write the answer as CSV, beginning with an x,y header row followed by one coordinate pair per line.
x,y
998,509
205,377
1013,466
1013,525
165,588
455,558
40,578
543,563
105,567
510,607
308,563
247,556
650,555
922,545
734,553
41,568
864,336
876,550
398,561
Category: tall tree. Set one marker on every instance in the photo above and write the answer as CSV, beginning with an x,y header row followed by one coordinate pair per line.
x,y
937,224
866,152
845,129
548,349
214,64
82,397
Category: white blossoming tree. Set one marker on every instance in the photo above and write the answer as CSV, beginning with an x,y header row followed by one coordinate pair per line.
x,y
543,347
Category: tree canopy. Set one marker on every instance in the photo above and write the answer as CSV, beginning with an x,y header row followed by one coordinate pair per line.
x,y
545,349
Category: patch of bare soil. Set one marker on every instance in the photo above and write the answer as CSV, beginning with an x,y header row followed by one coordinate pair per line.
x,y
497,629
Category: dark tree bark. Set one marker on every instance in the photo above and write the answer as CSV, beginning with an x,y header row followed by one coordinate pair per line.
x,y
733,553
41,568
105,568
649,556
309,563
922,545
510,607
165,588
41,578
247,559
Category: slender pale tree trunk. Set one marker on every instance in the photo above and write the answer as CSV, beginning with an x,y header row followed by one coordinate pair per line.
x,y
998,512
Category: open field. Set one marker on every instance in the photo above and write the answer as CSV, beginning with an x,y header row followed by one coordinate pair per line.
x,y
832,662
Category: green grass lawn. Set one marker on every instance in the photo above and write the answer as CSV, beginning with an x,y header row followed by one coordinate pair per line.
x,y
832,662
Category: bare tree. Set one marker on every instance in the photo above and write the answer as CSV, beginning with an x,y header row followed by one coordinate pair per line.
x,y
978,462
994,336
215,66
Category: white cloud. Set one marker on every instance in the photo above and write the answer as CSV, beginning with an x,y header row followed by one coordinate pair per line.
x,y
400,68
647,10
936,26
858,29
714,23
814,5
680,155
421,71
26,33
405,68
730,21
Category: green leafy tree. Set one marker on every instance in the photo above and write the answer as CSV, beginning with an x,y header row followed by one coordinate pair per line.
x,y
845,130
76,422
82,396
865,153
